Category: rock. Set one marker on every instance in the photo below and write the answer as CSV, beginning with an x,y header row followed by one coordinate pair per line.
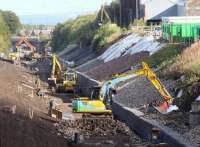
x,y
180,93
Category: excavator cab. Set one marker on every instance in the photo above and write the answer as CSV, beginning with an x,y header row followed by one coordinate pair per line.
x,y
94,104
69,81
95,93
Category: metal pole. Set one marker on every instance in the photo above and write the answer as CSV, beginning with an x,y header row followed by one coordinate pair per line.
x,y
120,15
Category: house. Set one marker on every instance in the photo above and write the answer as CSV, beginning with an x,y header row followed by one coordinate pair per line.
x,y
154,10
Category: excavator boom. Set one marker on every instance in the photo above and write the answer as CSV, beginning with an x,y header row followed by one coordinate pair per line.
x,y
24,40
162,105
61,81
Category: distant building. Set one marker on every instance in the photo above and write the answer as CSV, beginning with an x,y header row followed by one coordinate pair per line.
x,y
154,10
37,32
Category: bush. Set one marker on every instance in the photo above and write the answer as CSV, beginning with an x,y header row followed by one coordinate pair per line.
x,y
105,35
188,62
79,30
4,35
164,56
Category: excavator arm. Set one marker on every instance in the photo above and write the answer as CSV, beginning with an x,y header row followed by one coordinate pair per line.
x,y
89,105
162,105
56,70
61,80
24,40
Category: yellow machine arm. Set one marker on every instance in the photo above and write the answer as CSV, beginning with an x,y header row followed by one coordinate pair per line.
x,y
56,68
151,76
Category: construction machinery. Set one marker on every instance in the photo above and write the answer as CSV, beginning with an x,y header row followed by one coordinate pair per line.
x,y
24,49
98,103
163,105
61,81
101,101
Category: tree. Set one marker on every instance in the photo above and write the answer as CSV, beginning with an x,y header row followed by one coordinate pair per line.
x,y
11,20
4,35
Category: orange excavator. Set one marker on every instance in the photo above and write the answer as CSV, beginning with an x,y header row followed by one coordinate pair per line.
x,y
29,51
29,45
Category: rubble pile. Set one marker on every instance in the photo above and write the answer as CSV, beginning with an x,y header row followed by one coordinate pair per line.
x,y
100,131
93,127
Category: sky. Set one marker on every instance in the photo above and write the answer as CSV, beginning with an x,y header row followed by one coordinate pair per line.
x,y
34,11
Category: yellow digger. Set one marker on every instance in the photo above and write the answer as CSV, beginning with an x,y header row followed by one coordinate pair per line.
x,y
103,100
61,81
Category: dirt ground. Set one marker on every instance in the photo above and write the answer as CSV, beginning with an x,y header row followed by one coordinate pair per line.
x,y
30,125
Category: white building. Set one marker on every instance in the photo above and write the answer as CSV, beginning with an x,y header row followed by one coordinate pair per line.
x,y
154,10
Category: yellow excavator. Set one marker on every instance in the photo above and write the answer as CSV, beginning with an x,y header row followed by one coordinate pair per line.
x,y
102,102
61,81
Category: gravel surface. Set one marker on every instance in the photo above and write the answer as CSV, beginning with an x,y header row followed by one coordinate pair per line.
x,y
105,70
89,65
193,135
79,55
139,92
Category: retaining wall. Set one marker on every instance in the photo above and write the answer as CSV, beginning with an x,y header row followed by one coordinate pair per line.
x,y
85,83
133,118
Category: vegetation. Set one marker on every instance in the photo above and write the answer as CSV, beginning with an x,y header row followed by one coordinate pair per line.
x,y
165,56
4,35
11,20
105,35
187,63
9,23
79,30
84,30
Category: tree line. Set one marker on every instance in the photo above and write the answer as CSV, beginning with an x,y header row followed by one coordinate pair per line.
x,y
88,30
9,24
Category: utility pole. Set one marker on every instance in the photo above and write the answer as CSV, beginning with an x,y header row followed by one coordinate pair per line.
x,y
120,12
136,3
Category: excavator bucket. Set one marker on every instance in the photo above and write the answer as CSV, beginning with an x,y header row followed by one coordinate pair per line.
x,y
162,107
165,107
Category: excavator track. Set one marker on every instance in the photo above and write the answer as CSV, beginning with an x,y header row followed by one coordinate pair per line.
x,y
90,116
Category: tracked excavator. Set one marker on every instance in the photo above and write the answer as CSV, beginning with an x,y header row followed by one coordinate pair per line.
x,y
23,53
61,81
102,101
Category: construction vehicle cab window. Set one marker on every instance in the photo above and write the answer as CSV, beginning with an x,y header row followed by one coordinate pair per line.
x,y
99,73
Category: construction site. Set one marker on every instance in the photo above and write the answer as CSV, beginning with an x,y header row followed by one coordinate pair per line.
x,y
140,89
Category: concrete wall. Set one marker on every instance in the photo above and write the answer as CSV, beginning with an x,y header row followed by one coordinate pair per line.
x,y
85,84
133,118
